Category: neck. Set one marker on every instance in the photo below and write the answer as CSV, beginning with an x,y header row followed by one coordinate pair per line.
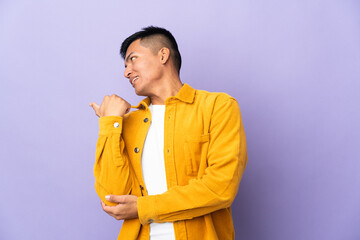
x,y
170,86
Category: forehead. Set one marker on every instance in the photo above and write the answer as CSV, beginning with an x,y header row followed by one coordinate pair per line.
x,y
135,46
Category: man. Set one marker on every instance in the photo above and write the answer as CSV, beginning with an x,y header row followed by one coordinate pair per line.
x,y
172,168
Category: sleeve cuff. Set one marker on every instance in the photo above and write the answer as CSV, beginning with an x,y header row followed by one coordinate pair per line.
x,y
110,124
146,209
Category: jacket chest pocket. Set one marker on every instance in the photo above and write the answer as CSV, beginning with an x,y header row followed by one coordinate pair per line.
x,y
195,149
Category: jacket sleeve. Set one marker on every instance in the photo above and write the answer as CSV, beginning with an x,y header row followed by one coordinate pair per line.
x,y
111,170
218,186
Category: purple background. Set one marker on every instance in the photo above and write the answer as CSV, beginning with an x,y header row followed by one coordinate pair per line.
x,y
294,67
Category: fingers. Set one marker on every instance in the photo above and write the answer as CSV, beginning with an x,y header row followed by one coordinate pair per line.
x,y
96,108
108,209
112,211
103,205
116,198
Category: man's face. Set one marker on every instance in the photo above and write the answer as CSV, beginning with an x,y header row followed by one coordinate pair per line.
x,y
142,68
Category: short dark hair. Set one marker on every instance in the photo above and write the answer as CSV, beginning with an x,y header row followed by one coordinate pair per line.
x,y
161,36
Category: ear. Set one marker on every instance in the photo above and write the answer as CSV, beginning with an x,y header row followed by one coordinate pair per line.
x,y
164,54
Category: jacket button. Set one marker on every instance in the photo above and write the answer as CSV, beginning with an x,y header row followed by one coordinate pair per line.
x,y
136,150
146,120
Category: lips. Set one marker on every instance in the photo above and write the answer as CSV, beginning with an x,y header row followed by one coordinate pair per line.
x,y
133,80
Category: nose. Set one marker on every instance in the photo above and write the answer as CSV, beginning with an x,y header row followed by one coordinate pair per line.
x,y
127,72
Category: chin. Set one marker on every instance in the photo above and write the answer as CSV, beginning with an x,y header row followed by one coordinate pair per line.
x,y
142,91
139,93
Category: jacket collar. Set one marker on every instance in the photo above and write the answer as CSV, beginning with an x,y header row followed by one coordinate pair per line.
x,y
185,94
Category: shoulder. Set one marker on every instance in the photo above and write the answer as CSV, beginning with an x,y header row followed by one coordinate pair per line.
x,y
213,97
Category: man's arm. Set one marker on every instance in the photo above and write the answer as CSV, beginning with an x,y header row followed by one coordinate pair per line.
x,y
111,155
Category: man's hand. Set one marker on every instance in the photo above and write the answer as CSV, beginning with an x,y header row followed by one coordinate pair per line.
x,y
111,106
126,208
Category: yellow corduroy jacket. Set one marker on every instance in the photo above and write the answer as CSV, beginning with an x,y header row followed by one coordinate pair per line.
x,y
205,157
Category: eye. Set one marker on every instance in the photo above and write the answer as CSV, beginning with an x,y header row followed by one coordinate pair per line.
x,y
132,58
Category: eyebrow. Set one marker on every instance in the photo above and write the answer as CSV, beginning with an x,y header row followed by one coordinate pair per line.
x,y
127,58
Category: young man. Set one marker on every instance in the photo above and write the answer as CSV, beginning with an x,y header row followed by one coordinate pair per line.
x,y
172,168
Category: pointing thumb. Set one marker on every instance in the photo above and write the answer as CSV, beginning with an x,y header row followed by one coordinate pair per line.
x,y
96,108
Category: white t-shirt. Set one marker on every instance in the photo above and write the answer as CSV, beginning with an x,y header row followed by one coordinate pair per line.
x,y
153,168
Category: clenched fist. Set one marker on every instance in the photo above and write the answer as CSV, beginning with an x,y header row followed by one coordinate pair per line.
x,y
111,106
